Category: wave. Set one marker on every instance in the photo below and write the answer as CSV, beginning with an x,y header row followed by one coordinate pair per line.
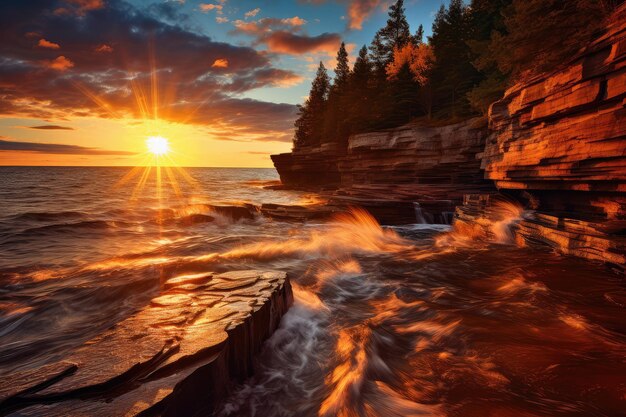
x,y
49,216
99,225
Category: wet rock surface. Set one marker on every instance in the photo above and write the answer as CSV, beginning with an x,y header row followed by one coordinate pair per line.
x,y
596,241
176,356
558,143
400,175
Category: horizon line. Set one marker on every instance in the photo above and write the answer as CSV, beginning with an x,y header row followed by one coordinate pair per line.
x,y
125,166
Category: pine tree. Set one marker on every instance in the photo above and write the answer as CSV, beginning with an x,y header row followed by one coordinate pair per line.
x,y
453,74
335,119
359,93
486,16
394,35
541,34
342,71
310,122
418,38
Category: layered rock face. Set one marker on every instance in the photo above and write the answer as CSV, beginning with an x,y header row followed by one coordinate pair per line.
x,y
401,175
424,169
310,167
558,142
177,356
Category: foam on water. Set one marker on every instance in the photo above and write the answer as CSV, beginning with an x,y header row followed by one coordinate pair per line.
x,y
418,320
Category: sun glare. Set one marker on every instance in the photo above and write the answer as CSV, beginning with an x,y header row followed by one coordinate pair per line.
x,y
158,145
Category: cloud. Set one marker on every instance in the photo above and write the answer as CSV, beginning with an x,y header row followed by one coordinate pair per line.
x,y
358,11
60,63
252,13
220,63
361,10
267,25
284,36
56,148
116,83
104,48
220,19
47,44
290,43
50,127
78,7
206,7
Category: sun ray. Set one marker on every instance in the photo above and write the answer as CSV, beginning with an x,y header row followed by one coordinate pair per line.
x,y
173,180
103,104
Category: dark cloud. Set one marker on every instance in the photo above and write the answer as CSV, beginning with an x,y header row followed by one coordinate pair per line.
x,y
54,148
291,43
82,78
284,36
50,127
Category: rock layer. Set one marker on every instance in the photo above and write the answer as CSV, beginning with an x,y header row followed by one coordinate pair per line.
x,y
590,240
400,175
558,143
413,173
555,143
177,356
310,167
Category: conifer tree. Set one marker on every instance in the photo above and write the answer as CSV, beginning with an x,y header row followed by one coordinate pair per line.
x,y
359,93
310,122
453,74
418,38
541,34
485,18
335,119
395,34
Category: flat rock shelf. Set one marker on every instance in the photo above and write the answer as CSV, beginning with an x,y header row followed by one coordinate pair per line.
x,y
179,355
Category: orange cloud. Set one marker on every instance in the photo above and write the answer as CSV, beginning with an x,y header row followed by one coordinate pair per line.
x,y
79,7
104,48
294,21
205,7
47,44
360,10
253,13
289,43
220,63
60,63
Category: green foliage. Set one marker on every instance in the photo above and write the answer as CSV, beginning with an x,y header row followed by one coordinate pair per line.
x,y
418,38
395,34
310,121
541,34
335,127
453,74
475,52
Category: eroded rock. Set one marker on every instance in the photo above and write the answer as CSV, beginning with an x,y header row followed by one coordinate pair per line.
x,y
176,356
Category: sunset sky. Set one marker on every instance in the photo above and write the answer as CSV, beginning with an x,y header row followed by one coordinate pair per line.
x,y
85,82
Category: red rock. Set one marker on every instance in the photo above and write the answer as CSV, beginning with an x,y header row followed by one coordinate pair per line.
x,y
177,356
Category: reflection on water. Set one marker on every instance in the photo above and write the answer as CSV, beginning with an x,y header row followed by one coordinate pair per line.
x,y
417,320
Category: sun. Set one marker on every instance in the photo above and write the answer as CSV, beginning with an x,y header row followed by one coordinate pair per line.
x,y
158,145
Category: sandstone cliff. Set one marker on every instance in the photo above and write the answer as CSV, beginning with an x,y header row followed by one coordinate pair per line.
x,y
397,174
555,144
558,143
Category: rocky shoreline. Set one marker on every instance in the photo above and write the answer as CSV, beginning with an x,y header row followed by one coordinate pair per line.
x,y
555,144
179,355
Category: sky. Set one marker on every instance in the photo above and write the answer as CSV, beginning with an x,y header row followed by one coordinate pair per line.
x,y
86,82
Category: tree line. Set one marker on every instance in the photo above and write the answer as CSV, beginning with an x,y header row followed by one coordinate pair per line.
x,y
475,52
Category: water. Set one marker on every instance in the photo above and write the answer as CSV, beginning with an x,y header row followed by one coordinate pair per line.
x,y
420,320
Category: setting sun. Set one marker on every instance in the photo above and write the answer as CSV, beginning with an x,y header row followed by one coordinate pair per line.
x,y
158,145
